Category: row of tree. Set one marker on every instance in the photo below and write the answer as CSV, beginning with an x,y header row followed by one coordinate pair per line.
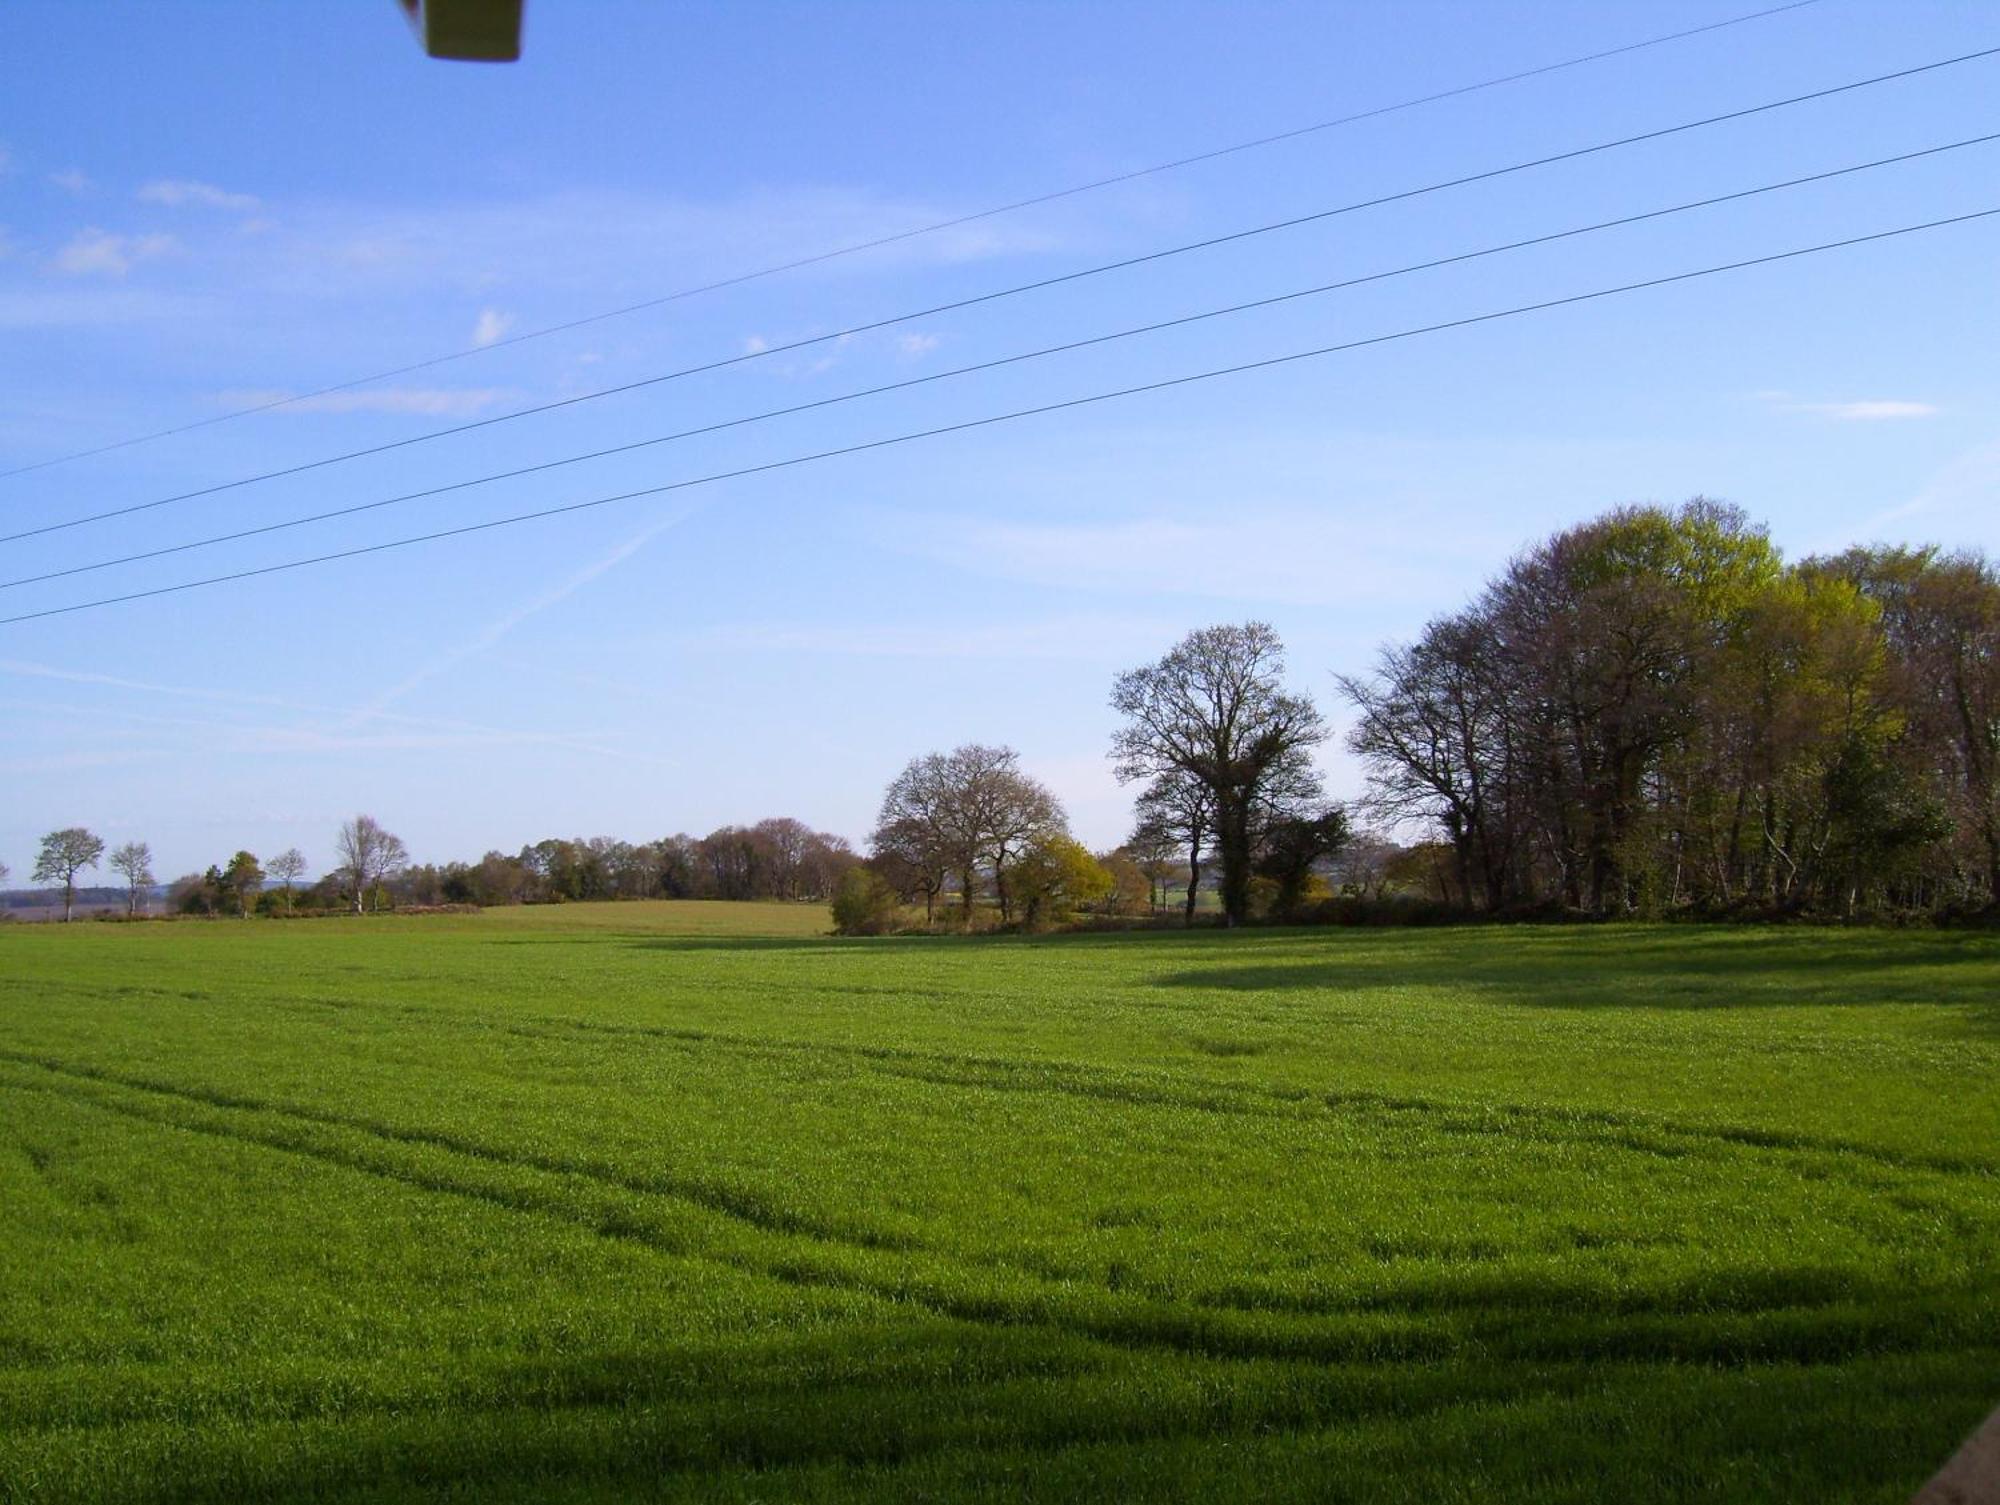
x,y
1655,711
1223,752
1651,712
369,858
779,858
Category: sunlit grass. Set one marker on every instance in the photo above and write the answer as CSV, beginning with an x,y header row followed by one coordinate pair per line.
x,y
696,1201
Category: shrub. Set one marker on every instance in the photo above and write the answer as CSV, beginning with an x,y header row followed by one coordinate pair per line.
x,y
864,904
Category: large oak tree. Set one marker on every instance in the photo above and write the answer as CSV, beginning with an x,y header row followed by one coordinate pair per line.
x,y
1215,710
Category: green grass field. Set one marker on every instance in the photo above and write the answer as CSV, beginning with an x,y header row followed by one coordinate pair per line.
x,y
692,1202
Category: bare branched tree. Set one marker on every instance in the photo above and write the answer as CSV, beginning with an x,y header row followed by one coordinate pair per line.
x,y
134,863
1215,710
966,813
288,867
368,854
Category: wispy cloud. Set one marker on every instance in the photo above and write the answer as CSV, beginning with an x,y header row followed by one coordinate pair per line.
x,y
246,735
1294,556
425,402
1086,638
72,181
183,193
506,622
1960,501
492,326
100,253
1862,410
70,761
917,344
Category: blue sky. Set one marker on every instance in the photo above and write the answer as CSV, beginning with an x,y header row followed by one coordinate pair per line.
x,y
207,205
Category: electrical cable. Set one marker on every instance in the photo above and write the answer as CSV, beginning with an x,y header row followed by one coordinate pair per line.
x,y
991,419
1007,360
989,297
857,247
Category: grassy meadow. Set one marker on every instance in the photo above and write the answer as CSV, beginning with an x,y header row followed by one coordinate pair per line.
x,y
690,1201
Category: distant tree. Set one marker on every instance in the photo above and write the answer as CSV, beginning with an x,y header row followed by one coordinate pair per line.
x,y
1290,848
825,863
1214,710
288,867
1055,876
969,813
189,894
676,866
368,854
1132,892
5,873
134,862
498,879
242,881
64,854
914,845
1362,865
865,904
1004,811
1178,810
1154,850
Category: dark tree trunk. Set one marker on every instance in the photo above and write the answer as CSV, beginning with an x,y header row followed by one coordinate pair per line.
x,y
1232,841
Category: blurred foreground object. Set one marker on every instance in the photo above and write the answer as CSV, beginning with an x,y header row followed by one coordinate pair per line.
x,y
1972,1477
477,31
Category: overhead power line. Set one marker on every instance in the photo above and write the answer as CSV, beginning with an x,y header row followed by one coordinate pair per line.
x,y
933,228
992,419
1125,263
1005,360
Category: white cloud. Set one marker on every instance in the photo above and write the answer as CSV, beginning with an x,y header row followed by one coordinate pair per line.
x,y
492,326
1870,411
425,402
1865,410
72,181
917,344
756,344
93,252
182,193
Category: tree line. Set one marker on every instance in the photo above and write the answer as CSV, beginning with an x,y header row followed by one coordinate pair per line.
x,y
780,858
1654,712
1222,752
1650,713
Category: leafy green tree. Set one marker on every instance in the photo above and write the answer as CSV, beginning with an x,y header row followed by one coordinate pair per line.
x,y
1292,845
864,904
1057,876
243,881
64,854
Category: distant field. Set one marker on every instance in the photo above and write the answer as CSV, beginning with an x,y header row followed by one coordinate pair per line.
x,y
689,1201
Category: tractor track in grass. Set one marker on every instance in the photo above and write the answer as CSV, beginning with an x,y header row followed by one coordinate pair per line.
x,y
1406,1332
710,1196
1133,1326
1638,1132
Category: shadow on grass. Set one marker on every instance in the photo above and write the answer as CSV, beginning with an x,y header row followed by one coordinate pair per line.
x,y
1594,967
1669,968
